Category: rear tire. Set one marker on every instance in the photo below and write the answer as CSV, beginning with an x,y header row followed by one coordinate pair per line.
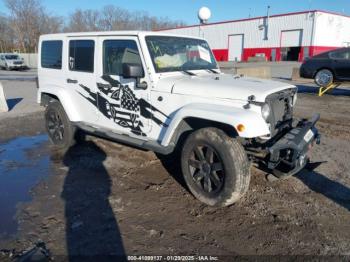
x,y
324,78
215,167
60,130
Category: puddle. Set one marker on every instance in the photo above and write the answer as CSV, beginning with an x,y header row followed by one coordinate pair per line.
x,y
23,163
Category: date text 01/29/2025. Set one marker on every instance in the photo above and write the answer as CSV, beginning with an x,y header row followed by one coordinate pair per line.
x,y
172,258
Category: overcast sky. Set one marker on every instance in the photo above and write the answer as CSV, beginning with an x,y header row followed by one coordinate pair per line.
x,y
186,10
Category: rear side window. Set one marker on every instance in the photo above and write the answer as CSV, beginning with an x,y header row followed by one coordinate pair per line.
x,y
117,52
81,55
343,54
51,54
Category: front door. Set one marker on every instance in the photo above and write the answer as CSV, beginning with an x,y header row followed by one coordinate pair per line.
x,y
81,78
124,107
341,63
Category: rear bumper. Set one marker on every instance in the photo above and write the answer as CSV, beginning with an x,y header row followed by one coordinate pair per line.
x,y
288,155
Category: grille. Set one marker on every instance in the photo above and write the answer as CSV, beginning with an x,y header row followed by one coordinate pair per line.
x,y
281,105
17,63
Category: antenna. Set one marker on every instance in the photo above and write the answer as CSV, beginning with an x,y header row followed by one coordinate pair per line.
x,y
204,14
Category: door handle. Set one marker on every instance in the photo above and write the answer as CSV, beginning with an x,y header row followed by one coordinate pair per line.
x,y
71,81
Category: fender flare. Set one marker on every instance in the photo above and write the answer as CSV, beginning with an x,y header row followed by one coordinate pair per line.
x,y
63,98
255,125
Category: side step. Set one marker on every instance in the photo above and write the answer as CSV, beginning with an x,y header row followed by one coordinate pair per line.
x,y
150,145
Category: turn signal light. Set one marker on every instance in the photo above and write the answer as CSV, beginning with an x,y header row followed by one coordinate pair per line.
x,y
240,128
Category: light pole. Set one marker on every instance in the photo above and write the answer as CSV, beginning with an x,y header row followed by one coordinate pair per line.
x,y
204,14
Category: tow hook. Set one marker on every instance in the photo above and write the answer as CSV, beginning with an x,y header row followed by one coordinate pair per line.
x,y
302,160
318,139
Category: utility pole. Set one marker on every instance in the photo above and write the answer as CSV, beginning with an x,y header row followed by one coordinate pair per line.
x,y
267,23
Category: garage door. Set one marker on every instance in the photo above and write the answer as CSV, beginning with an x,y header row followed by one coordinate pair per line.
x,y
291,38
235,47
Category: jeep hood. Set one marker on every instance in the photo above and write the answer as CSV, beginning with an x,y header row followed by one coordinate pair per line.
x,y
226,86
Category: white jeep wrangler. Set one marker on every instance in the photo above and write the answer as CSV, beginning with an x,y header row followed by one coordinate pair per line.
x,y
163,92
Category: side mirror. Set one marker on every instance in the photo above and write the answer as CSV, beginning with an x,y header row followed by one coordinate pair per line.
x,y
132,71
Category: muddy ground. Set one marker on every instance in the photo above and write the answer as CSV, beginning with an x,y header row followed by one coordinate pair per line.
x,y
105,198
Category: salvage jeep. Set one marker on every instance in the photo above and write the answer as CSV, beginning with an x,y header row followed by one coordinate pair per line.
x,y
166,93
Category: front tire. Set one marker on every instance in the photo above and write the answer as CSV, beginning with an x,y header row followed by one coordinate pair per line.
x,y
215,167
60,130
324,78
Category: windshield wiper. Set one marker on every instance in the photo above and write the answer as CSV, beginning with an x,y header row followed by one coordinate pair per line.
x,y
188,72
212,70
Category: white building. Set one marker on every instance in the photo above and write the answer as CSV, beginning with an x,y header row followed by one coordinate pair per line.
x,y
283,37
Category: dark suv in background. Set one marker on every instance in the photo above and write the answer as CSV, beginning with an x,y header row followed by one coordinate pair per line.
x,y
327,68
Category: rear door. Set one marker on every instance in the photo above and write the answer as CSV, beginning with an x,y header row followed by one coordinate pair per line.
x,y
124,108
81,77
341,63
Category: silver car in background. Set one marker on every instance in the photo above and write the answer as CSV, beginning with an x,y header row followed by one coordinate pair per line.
x,y
11,61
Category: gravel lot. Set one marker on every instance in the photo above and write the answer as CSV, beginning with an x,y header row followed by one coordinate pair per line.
x,y
104,198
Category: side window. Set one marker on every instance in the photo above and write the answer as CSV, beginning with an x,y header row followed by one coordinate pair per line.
x,y
117,52
340,54
51,54
81,55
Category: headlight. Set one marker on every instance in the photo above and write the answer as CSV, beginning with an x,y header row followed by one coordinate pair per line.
x,y
265,111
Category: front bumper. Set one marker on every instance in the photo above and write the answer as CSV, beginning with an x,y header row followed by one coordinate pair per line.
x,y
288,155
13,66
306,72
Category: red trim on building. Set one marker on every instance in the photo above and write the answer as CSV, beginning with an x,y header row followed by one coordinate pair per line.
x,y
255,18
315,50
251,52
222,54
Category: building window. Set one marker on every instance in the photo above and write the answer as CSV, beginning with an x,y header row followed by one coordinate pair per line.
x,y
51,54
117,52
81,55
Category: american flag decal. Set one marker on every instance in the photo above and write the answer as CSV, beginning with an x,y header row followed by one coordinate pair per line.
x,y
123,107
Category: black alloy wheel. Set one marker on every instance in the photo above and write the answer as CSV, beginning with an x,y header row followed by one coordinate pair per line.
x,y
206,169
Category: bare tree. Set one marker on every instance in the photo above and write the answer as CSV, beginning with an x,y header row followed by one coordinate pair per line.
x,y
28,19
84,20
6,35
115,18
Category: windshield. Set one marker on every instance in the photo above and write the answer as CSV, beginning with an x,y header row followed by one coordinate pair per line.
x,y
171,54
11,57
